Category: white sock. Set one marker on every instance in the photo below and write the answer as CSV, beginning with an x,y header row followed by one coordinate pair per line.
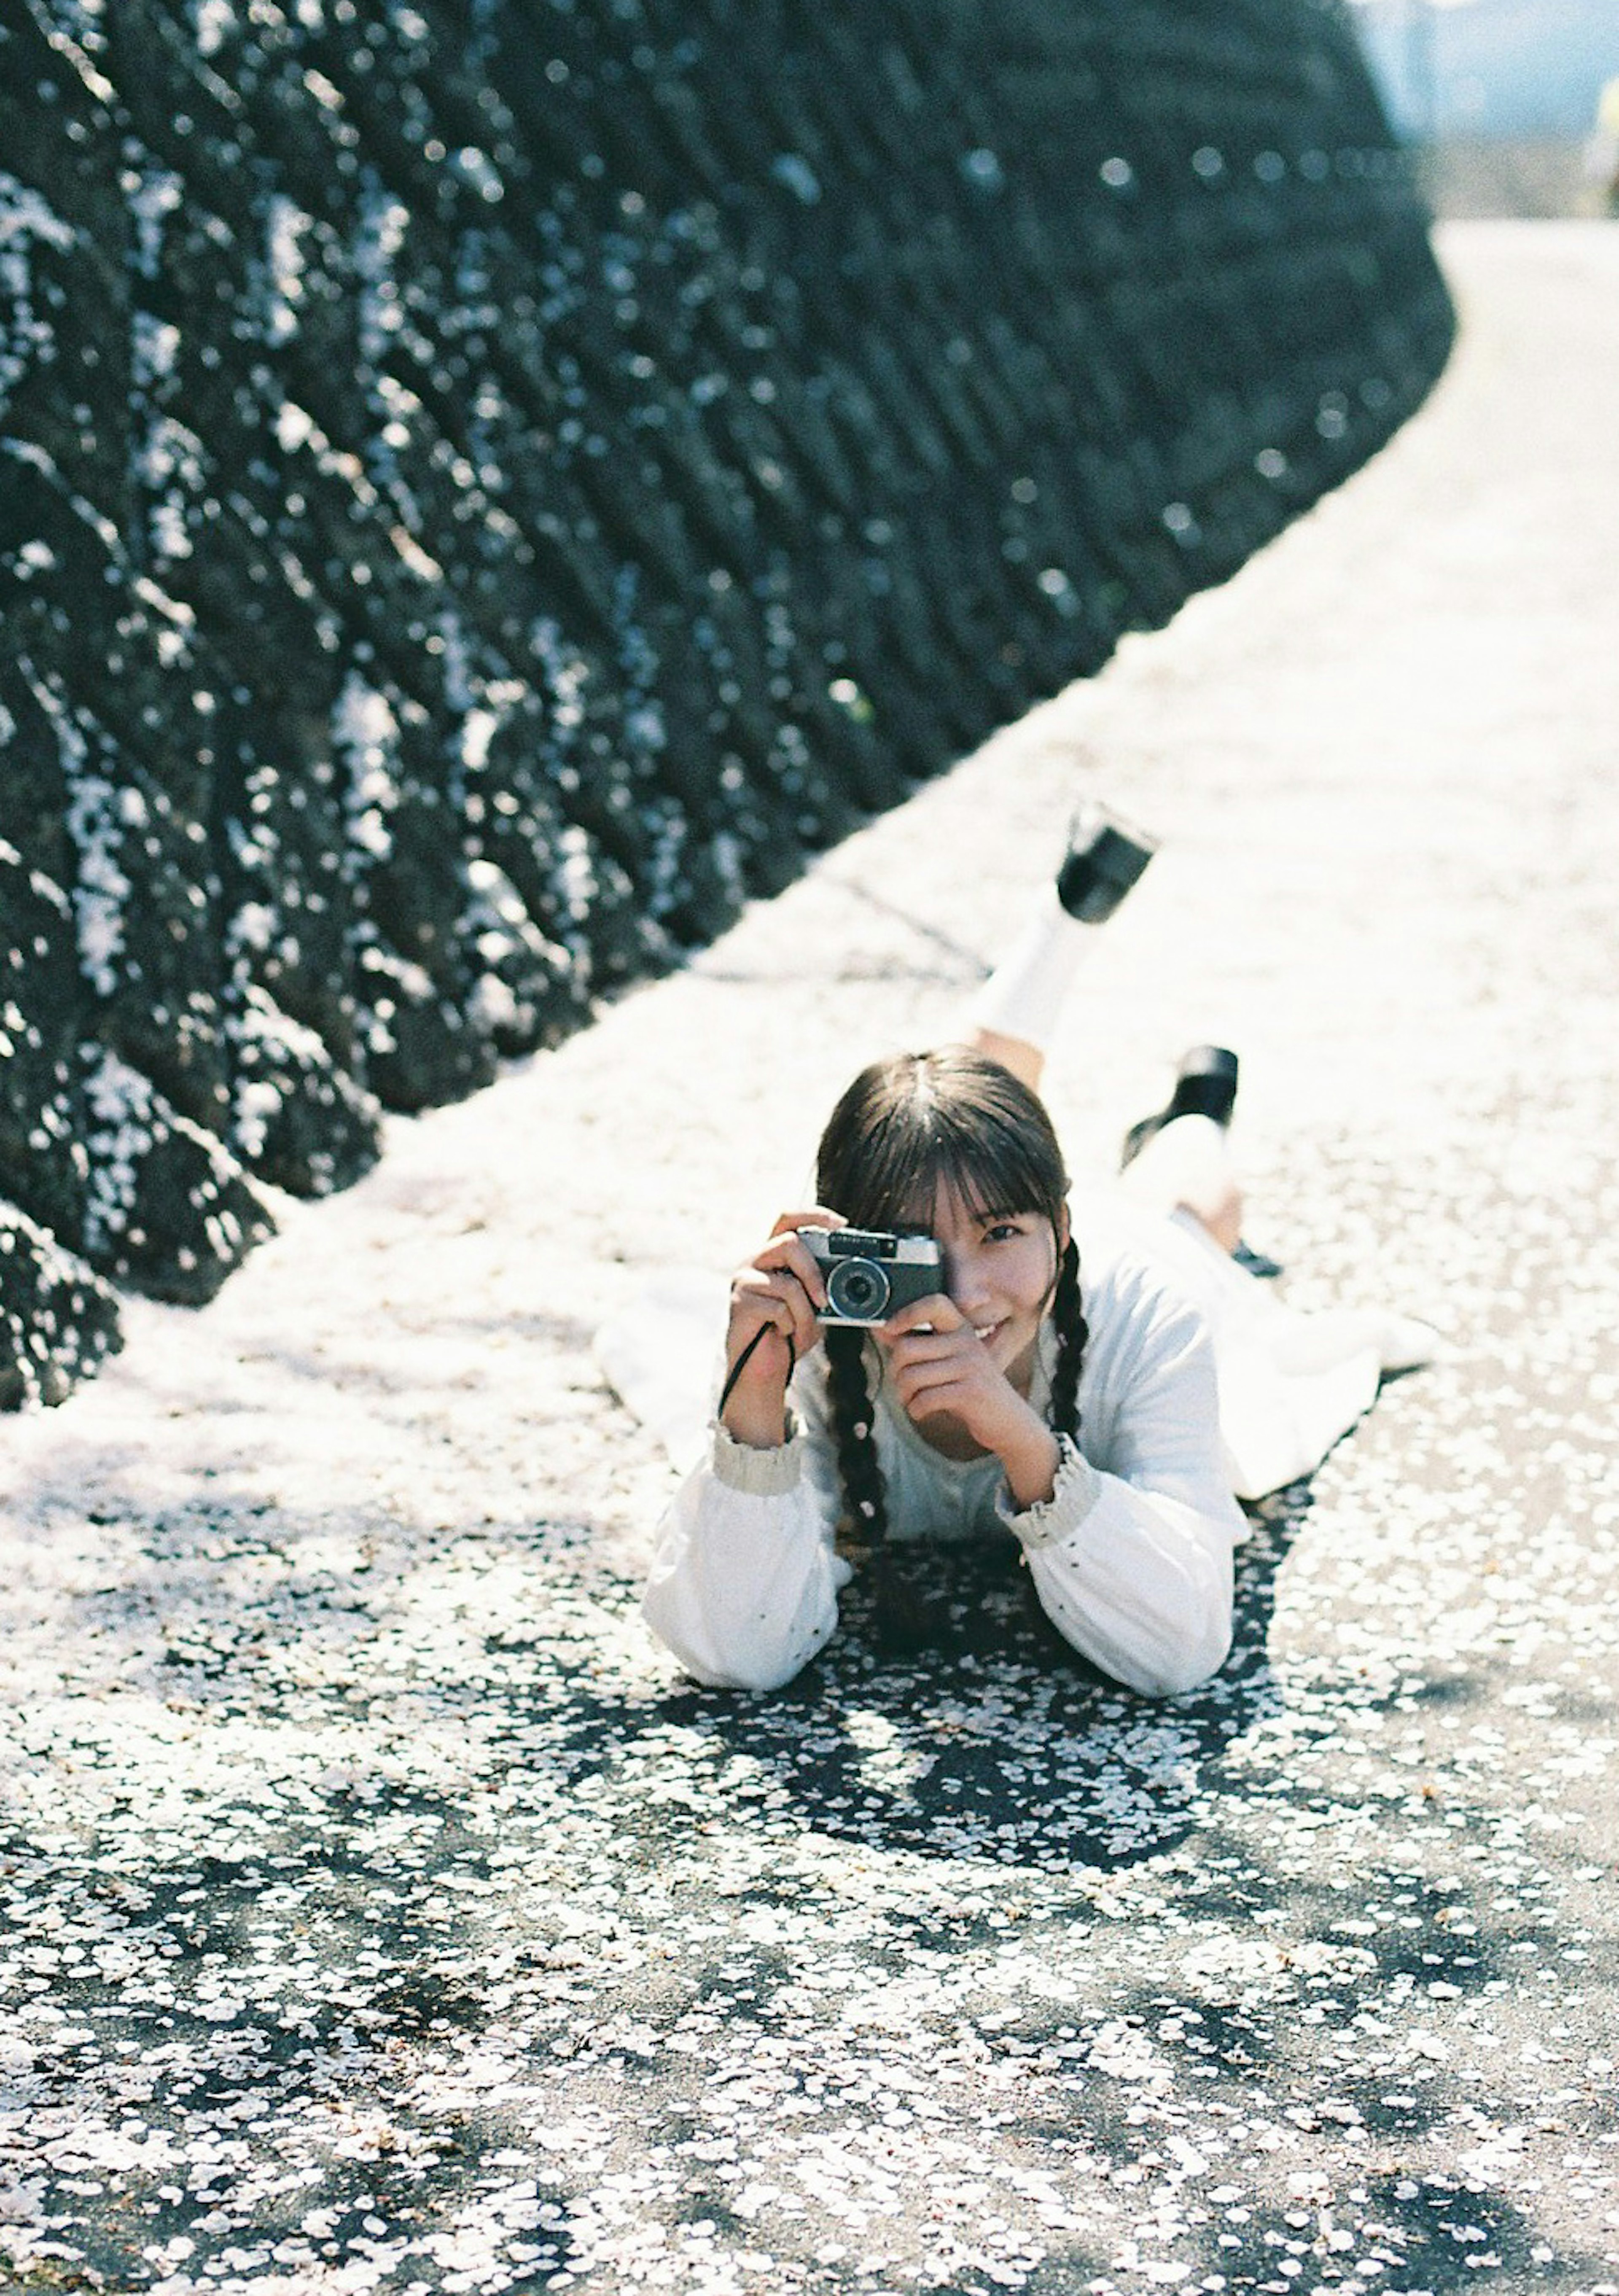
x,y
1025,995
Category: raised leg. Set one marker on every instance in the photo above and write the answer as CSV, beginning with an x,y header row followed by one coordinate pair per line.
x,y
1016,1013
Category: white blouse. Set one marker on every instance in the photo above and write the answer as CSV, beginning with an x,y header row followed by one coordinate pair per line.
x,y
1130,1557
1199,1381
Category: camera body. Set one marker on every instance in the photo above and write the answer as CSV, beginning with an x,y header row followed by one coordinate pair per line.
x,y
871,1276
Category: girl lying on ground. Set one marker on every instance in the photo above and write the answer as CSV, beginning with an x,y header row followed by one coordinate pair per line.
x,y
1093,1381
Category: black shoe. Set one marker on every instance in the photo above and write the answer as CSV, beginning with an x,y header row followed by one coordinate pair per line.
x,y
1105,856
1256,1263
1206,1084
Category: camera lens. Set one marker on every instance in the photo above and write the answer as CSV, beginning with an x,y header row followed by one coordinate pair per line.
x,y
859,1290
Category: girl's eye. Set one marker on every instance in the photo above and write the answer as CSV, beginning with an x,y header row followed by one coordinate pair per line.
x,y
1002,1231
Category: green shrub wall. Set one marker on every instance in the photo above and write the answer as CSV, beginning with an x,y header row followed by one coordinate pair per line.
x,y
487,489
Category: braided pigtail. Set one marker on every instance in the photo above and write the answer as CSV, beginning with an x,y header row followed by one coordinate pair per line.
x,y
1073,1333
904,1621
858,1470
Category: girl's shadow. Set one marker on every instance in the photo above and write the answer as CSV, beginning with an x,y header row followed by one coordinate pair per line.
x,y
1000,1743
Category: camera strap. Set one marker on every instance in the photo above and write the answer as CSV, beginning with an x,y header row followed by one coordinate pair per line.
x,y
740,1365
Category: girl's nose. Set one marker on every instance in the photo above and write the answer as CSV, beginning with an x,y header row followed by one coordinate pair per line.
x,y
963,1282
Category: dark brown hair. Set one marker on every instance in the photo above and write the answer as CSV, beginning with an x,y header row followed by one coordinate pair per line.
x,y
904,1128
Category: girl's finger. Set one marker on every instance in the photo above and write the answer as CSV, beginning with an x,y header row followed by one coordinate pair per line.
x,y
939,1313
758,1314
940,1364
783,1285
969,1376
930,1346
790,1252
922,1396
806,1326
817,1215
746,1339
778,1283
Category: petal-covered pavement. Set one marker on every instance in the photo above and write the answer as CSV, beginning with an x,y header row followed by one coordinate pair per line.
x,y
381,1911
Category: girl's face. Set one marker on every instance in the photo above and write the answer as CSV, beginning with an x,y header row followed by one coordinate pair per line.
x,y
1000,1270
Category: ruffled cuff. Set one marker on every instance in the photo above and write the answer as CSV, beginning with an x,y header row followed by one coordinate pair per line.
x,y
1073,1496
763,1474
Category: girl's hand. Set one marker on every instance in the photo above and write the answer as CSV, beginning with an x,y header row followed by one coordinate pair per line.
x,y
777,1294
948,1368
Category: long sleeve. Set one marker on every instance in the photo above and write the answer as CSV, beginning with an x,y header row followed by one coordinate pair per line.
x,y
743,1588
1130,1556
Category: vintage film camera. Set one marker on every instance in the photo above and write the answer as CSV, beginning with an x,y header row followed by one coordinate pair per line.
x,y
871,1276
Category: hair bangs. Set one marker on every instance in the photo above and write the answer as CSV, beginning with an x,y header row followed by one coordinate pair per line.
x,y
893,1184
954,1120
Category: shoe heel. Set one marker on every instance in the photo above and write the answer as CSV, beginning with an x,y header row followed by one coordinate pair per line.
x,y
1105,857
1206,1084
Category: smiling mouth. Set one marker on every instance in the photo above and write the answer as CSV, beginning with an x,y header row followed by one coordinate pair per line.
x,y
985,1332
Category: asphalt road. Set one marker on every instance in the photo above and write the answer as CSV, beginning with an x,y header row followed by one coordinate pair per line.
x,y
381,1910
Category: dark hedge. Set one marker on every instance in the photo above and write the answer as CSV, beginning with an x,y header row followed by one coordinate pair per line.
x,y
487,489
